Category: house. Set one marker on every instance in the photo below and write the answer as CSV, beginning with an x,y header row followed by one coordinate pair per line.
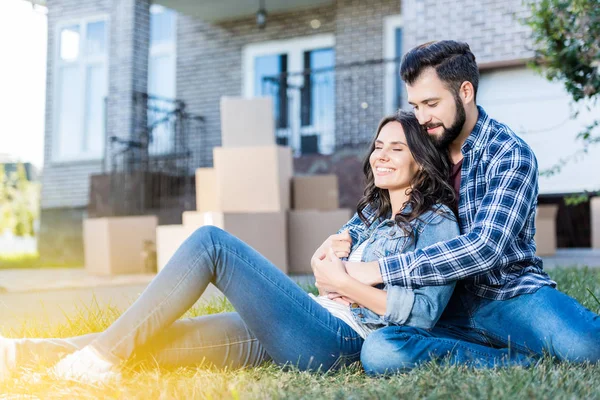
x,y
115,68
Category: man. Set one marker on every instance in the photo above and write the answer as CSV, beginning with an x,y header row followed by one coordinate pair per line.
x,y
505,309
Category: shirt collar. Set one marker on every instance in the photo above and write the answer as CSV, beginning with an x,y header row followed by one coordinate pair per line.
x,y
478,133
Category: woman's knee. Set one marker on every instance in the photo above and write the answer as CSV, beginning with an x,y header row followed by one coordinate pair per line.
x,y
386,351
208,234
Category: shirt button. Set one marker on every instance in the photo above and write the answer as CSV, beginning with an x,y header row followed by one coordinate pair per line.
x,y
393,233
354,305
360,316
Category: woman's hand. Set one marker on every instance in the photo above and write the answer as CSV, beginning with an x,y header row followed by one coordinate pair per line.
x,y
341,244
330,274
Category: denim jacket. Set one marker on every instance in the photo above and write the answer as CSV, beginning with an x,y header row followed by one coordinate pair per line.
x,y
420,307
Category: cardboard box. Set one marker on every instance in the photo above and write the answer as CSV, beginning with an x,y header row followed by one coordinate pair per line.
x,y
307,230
545,229
116,245
318,192
206,190
265,232
247,122
168,240
253,179
595,221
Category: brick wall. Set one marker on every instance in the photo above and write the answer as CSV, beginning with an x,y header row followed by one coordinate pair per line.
x,y
66,184
491,27
209,65
209,61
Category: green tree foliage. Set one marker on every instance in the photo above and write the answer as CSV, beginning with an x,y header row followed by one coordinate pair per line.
x,y
19,202
566,35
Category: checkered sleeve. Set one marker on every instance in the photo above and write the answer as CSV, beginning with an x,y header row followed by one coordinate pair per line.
x,y
510,193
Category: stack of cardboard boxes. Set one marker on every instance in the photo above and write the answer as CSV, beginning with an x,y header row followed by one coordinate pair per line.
x,y
315,216
247,193
251,193
545,229
595,221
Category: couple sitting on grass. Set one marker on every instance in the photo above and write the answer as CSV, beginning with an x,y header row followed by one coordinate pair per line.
x,y
403,282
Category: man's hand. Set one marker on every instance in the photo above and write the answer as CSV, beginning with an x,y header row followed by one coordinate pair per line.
x,y
330,274
365,272
340,299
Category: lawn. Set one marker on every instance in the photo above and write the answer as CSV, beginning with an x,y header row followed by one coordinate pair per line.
x,y
546,380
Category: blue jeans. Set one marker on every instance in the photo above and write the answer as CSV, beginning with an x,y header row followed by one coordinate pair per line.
x,y
486,333
275,319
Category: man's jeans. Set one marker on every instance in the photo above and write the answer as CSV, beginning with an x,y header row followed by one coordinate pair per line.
x,y
275,318
487,333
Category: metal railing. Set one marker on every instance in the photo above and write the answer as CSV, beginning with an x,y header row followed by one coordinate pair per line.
x,y
319,110
152,170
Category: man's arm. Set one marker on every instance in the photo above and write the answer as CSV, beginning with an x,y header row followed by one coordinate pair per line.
x,y
511,193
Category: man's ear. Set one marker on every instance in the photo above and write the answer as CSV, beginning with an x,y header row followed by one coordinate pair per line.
x,y
466,92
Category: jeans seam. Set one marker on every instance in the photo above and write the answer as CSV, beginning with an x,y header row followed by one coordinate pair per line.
x,y
211,346
220,246
158,306
516,346
445,341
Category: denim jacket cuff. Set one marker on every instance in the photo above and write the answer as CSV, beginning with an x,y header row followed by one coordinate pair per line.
x,y
399,304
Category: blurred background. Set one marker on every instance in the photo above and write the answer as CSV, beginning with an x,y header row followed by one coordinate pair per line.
x,y
108,107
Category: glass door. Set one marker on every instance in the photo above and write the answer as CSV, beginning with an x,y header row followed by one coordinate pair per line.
x,y
299,75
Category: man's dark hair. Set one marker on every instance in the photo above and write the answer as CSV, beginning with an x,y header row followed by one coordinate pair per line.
x,y
453,61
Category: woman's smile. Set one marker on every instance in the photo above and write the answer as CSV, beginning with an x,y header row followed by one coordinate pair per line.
x,y
382,171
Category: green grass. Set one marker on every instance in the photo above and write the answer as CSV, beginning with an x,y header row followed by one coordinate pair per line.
x,y
432,381
18,260
32,260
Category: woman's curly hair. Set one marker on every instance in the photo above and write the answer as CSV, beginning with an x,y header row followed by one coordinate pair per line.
x,y
428,187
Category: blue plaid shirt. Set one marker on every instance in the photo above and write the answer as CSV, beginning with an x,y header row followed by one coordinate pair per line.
x,y
495,253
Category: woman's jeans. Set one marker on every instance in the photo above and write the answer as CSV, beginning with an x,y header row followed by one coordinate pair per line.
x,y
485,333
275,319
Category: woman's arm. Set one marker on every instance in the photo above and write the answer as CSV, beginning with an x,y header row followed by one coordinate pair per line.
x,y
420,307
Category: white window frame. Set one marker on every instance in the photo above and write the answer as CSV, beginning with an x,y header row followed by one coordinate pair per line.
x,y
84,62
390,24
157,50
294,48
165,49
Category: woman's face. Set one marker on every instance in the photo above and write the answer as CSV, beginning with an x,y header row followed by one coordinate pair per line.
x,y
391,161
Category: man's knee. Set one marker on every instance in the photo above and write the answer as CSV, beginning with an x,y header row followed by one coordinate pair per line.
x,y
580,347
387,351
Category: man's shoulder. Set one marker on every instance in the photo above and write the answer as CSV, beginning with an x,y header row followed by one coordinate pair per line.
x,y
504,142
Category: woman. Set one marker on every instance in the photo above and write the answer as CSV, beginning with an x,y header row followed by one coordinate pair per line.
x,y
405,205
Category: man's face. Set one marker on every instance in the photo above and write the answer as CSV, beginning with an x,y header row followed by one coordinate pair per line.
x,y
437,108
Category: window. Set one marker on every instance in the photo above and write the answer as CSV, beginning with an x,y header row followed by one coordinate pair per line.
x,y
162,73
299,75
81,85
394,87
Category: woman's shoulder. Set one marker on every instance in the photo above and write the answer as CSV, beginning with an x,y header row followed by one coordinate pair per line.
x,y
437,225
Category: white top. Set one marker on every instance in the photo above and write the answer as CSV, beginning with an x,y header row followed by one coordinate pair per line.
x,y
341,311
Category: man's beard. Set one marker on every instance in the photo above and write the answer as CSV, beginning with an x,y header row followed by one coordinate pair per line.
x,y
449,134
